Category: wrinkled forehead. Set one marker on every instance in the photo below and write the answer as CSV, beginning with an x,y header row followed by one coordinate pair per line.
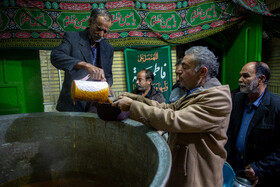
x,y
101,21
248,69
188,60
103,18
141,74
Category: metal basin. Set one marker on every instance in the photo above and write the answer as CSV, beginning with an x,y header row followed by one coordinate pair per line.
x,y
50,146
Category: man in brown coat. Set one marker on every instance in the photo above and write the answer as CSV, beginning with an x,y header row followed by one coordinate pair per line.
x,y
197,122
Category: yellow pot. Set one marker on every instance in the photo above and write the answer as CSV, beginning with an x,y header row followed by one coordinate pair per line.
x,y
95,91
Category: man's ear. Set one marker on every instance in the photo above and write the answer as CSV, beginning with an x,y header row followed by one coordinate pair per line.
x,y
262,79
203,71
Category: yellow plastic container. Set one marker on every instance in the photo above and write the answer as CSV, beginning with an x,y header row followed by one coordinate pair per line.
x,y
95,91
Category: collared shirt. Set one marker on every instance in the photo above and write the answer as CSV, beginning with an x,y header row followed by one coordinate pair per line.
x,y
149,93
93,54
188,92
93,50
248,113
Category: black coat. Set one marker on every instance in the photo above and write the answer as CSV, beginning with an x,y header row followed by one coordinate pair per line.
x,y
153,94
262,143
74,48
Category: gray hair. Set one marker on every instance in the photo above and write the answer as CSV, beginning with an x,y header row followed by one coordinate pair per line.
x,y
204,57
100,12
262,69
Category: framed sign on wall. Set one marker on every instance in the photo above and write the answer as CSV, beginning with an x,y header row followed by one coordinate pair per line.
x,y
158,60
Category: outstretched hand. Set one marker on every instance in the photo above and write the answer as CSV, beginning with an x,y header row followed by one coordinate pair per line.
x,y
123,103
130,95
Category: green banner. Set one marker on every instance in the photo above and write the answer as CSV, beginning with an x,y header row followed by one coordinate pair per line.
x,y
163,21
125,20
157,60
73,22
41,24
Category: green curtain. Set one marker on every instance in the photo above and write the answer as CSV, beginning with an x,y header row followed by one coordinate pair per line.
x,y
41,24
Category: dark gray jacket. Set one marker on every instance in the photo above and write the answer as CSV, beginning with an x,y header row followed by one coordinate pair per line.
x,y
262,143
74,48
153,95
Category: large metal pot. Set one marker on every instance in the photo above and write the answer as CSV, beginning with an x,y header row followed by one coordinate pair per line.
x,y
47,146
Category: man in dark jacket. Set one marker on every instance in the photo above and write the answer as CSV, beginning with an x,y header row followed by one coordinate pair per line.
x,y
144,82
254,131
84,56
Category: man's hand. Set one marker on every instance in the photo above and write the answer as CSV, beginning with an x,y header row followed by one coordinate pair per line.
x,y
95,73
123,103
130,95
250,174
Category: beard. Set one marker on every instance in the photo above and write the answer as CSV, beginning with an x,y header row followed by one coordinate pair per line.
x,y
252,87
140,88
95,38
99,40
178,84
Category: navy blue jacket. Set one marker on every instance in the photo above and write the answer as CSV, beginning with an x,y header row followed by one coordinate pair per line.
x,y
262,143
75,48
